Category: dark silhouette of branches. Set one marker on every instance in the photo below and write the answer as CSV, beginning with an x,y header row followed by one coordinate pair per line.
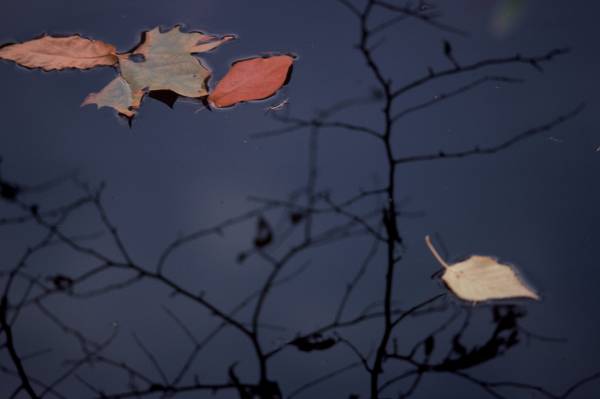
x,y
456,92
287,232
10,347
496,148
533,61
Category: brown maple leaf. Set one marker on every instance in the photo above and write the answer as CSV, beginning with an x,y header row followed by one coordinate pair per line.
x,y
162,61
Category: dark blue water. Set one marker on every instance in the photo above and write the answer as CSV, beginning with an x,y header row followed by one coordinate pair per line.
x,y
534,205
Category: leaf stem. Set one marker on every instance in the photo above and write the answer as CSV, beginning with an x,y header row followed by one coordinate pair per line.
x,y
435,253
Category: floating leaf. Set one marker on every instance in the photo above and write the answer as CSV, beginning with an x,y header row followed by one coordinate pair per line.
x,y
117,94
167,63
174,40
55,53
252,79
481,278
162,66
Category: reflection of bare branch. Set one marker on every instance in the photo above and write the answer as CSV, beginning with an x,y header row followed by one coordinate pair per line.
x,y
217,229
61,210
353,283
363,359
533,61
428,15
423,12
167,389
490,387
152,358
497,148
456,92
297,124
10,346
34,381
322,379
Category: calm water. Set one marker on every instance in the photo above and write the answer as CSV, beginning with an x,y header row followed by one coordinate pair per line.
x,y
534,205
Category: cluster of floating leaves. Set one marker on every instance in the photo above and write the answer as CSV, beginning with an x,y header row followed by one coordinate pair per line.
x,y
164,61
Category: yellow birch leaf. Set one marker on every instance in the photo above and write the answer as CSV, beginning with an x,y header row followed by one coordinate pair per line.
x,y
482,278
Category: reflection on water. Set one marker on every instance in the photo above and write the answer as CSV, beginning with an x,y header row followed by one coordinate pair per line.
x,y
173,260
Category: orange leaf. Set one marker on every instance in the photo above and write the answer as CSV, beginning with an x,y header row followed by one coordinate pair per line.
x,y
252,79
55,53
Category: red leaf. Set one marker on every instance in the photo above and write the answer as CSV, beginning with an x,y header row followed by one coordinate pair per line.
x,y
252,79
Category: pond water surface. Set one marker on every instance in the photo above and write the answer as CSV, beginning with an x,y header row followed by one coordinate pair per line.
x,y
179,171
